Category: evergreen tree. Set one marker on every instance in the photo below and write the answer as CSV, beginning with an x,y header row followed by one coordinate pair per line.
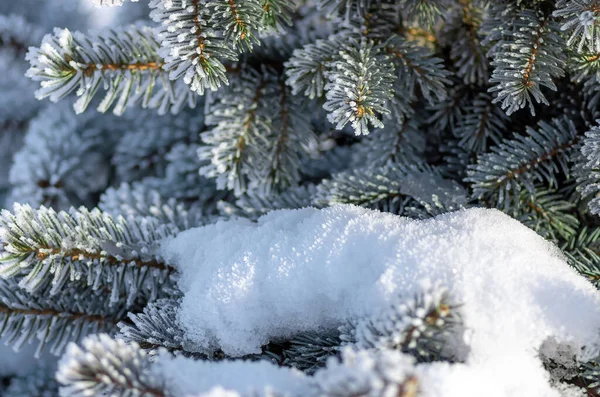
x,y
124,125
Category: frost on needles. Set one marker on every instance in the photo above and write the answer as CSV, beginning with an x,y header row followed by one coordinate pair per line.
x,y
193,243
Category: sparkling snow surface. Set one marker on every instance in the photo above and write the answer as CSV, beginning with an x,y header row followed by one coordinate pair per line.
x,y
297,270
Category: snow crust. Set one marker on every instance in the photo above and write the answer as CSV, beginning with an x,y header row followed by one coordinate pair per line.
x,y
247,283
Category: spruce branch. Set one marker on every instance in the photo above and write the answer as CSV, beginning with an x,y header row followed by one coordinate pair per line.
x,y
156,327
483,123
586,169
143,150
426,12
345,8
107,366
182,181
417,67
583,253
241,120
581,19
401,143
292,140
53,320
60,163
276,15
125,62
501,174
390,188
60,247
309,351
359,88
529,58
377,25
466,49
585,66
589,377
241,20
253,204
190,45
447,113
307,68
258,142
418,326
548,212
141,201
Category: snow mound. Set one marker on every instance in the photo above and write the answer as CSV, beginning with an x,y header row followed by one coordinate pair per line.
x,y
247,283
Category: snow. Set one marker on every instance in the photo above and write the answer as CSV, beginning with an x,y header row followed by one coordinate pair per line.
x,y
186,377
248,283
365,373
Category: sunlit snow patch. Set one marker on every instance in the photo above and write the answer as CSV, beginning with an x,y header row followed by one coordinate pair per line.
x,y
298,270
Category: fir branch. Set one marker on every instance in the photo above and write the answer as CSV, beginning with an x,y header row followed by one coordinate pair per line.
x,y
240,20
53,320
254,204
583,253
292,140
345,8
107,366
126,62
359,87
426,12
581,20
547,212
401,143
58,247
529,58
190,45
417,66
276,15
482,122
307,67
157,328
586,169
417,326
182,181
308,352
241,118
466,49
141,201
516,164
390,188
